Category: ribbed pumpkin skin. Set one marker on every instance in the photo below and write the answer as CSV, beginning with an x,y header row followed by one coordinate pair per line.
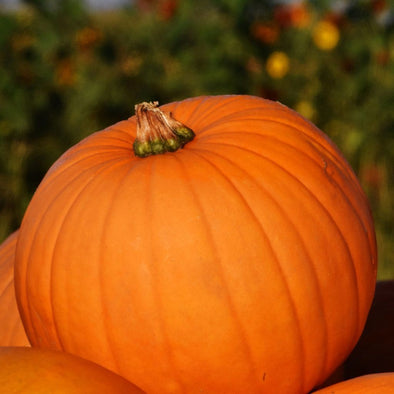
x,y
378,383
33,371
12,332
243,263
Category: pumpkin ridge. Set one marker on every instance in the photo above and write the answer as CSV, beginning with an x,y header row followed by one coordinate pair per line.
x,y
277,261
328,146
234,116
230,303
282,142
169,354
54,172
202,112
196,110
329,216
100,170
308,137
101,287
351,204
340,232
37,225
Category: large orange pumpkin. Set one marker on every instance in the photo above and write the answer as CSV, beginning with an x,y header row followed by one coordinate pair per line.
x,y
244,262
33,371
12,332
378,383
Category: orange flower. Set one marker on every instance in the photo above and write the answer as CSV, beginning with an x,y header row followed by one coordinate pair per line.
x,y
325,35
292,15
87,37
266,33
167,8
278,65
65,73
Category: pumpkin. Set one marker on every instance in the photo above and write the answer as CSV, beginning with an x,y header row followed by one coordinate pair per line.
x,y
378,383
32,370
12,332
215,267
374,351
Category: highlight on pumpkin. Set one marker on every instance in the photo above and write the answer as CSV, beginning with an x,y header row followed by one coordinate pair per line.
x,y
158,132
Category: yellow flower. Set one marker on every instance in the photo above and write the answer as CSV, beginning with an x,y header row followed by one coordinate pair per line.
x,y
325,35
277,65
306,109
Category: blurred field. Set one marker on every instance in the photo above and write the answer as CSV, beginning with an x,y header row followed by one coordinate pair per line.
x,y
66,71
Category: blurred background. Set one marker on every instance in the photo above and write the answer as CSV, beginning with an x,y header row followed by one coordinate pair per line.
x,y
69,68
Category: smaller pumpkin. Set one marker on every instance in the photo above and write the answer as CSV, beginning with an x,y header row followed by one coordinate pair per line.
x,y
374,352
12,332
378,383
33,370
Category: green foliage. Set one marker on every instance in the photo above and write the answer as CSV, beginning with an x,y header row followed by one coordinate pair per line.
x,y
67,71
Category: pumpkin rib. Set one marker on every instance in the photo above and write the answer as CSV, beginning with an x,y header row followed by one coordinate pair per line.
x,y
328,147
290,174
285,216
265,137
353,204
320,147
70,165
210,109
195,115
106,169
168,349
100,288
117,194
230,302
34,231
101,266
228,106
349,203
53,258
340,234
275,121
264,235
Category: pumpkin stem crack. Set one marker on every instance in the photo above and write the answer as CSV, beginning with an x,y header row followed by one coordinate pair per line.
x,y
158,132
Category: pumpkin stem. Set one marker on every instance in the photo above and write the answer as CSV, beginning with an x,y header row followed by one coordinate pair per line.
x,y
158,132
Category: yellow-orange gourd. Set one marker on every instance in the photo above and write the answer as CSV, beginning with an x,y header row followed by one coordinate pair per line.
x,y
243,263
26,370
378,383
